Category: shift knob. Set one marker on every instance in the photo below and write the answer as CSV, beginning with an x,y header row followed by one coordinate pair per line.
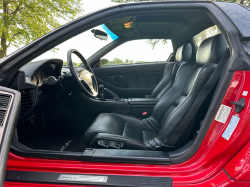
x,y
101,93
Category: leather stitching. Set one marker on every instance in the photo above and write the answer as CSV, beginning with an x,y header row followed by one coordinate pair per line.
x,y
153,125
147,125
174,81
155,122
192,93
181,121
124,128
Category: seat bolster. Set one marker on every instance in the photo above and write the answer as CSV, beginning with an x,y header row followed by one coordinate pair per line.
x,y
129,143
164,81
168,86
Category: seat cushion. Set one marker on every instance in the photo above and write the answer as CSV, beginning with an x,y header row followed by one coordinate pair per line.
x,y
118,128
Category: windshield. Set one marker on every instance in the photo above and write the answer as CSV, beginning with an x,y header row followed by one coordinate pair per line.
x,y
86,43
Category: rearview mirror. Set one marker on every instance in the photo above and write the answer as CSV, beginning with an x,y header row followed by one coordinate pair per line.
x,y
100,34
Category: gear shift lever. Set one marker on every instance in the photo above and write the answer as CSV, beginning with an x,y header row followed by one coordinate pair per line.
x,y
101,93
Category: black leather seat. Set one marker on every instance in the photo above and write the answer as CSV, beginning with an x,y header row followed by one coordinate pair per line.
x,y
183,55
162,128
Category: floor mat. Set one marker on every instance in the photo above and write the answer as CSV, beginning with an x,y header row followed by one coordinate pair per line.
x,y
54,129
51,139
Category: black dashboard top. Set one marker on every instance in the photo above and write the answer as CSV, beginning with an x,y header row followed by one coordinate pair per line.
x,y
39,70
33,67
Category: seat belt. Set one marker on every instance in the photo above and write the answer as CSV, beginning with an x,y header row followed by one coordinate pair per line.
x,y
200,98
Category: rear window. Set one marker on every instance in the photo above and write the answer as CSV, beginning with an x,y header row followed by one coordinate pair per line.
x,y
211,31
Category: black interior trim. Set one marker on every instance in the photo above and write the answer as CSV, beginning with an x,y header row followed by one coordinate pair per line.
x,y
104,155
143,101
181,151
18,149
112,180
126,156
32,68
99,54
8,129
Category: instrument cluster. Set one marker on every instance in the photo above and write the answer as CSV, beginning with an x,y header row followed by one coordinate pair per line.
x,y
37,78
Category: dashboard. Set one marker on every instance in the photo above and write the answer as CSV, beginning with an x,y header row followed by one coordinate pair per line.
x,y
38,78
34,95
37,71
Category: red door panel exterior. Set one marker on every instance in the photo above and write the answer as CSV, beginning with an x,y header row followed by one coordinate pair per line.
x,y
239,167
205,167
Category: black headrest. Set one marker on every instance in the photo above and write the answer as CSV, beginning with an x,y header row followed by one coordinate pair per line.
x,y
184,53
211,50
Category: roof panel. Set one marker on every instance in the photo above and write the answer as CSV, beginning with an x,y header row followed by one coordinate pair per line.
x,y
239,15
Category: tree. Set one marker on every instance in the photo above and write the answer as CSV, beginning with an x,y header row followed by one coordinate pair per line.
x,y
116,61
22,21
206,34
154,42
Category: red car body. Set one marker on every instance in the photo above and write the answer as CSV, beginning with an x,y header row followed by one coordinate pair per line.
x,y
218,162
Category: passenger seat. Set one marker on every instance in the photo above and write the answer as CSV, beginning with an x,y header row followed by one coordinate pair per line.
x,y
167,127
182,56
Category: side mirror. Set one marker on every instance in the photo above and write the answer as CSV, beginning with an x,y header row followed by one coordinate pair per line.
x,y
100,34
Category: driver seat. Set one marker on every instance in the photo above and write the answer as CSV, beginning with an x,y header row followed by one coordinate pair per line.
x,y
162,128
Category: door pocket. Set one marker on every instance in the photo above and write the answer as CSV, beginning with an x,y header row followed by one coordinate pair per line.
x,y
118,80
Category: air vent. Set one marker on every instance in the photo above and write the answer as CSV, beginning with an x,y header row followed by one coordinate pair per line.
x,y
2,114
27,100
4,103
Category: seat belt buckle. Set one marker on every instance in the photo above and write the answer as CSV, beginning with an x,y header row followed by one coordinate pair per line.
x,y
144,113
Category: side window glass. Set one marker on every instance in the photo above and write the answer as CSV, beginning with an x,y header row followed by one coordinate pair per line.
x,y
211,31
138,51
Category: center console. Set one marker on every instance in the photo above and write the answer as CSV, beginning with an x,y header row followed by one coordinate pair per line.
x,y
142,106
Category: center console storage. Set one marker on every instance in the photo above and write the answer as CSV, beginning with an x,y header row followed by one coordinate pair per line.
x,y
142,107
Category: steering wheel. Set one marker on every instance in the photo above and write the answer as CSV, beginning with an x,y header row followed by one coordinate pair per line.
x,y
84,77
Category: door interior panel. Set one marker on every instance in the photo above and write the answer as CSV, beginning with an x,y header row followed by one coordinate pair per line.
x,y
136,80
